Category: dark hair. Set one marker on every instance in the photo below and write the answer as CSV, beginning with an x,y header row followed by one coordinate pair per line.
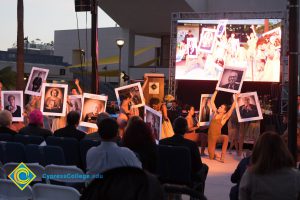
x,y
108,129
154,101
57,92
180,126
9,96
143,186
226,107
73,118
270,154
101,116
188,107
137,134
124,96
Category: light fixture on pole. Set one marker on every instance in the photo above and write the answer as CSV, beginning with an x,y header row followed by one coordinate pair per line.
x,y
120,44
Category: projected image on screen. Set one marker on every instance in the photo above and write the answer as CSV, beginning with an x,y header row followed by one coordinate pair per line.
x,y
254,44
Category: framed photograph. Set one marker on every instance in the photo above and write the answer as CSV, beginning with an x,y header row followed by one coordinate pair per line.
x,y
153,87
205,110
221,27
74,103
54,99
92,106
134,91
231,79
35,81
248,107
153,119
207,40
192,47
13,102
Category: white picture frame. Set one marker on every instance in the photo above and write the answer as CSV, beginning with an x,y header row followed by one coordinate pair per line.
x,y
153,119
205,113
191,47
17,109
136,92
207,40
33,89
92,106
221,28
254,111
54,99
228,74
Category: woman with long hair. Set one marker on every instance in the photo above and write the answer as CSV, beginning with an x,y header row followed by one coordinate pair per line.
x,y
272,174
221,115
138,137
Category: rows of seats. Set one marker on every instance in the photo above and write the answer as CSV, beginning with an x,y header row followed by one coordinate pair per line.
x,y
59,150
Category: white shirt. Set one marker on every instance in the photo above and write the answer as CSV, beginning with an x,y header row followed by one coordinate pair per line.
x,y
109,155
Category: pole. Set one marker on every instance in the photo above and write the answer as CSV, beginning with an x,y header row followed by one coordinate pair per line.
x,y
120,55
293,76
94,47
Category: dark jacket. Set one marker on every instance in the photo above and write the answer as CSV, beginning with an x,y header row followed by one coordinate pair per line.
x,y
7,130
35,130
70,131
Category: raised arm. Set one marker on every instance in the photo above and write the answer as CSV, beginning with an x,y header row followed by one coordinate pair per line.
x,y
213,105
78,86
229,113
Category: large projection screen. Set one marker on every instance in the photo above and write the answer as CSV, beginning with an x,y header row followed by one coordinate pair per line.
x,y
205,47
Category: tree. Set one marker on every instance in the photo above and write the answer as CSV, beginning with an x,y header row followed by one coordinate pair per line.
x,y
20,46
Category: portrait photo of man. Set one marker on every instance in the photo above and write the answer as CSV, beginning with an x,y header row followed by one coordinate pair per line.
x,y
231,79
53,102
35,81
205,110
134,91
248,110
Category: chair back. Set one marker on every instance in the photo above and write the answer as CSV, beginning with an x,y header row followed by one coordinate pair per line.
x,y
10,191
85,145
2,144
70,147
14,152
6,137
174,165
50,192
34,154
29,139
63,170
37,169
53,155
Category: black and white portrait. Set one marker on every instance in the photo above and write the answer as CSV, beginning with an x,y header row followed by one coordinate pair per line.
x,y
248,108
231,80
74,103
13,102
205,110
154,120
35,81
221,27
192,47
54,99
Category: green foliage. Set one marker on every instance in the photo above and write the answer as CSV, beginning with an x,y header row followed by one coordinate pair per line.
x,y
8,78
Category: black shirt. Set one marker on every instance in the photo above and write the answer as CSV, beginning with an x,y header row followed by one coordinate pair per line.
x,y
7,130
35,130
69,131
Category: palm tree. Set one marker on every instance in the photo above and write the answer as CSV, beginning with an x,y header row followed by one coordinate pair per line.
x,y
20,46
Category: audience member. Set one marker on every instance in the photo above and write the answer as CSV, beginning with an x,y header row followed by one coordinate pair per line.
x,y
6,122
237,176
272,174
35,126
108,154
71,128
95,135
199,170
193,125
125,183
138,137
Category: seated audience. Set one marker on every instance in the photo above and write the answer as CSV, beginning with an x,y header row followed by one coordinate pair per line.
x,y
95,135
35,126
237,176
138,137
272,174
6,122
71,129
124,183
199,170
199,138
108,154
